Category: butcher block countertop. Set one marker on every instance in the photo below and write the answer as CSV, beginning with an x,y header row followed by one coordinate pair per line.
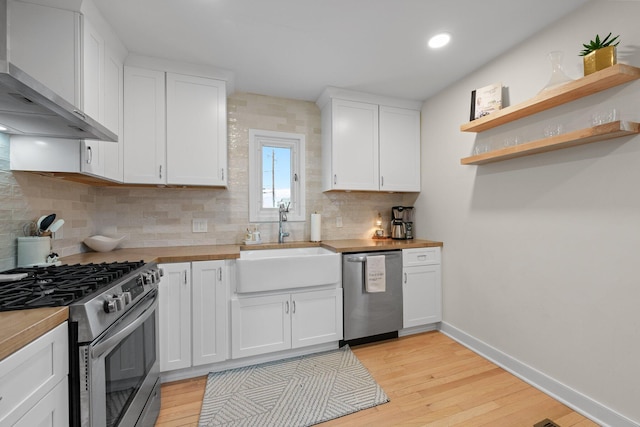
x,y
18,328
369,245
171,254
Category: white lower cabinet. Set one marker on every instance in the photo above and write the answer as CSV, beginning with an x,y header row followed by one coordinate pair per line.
x,y
265,324
34,382
51,411
193,314
421,286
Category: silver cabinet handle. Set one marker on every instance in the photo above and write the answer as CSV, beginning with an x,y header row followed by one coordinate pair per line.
x,y
286,307
89,155
382,181
81,114
185,277
293,310
220,274
405,277
223,174
160,172
335,179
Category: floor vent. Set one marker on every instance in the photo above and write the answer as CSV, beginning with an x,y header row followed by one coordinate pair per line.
x,y
546,423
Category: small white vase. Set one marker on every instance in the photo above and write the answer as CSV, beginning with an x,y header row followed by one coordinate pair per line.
x,y
558,77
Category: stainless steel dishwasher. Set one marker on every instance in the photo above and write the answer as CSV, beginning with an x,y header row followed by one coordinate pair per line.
x,y
370,316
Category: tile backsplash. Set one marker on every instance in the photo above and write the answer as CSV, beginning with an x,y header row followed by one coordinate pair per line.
x,y
163,216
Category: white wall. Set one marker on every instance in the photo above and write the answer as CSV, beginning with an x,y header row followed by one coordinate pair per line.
x,y
541,253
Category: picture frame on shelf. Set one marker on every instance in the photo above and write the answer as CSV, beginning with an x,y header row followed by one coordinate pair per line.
x,y
486,100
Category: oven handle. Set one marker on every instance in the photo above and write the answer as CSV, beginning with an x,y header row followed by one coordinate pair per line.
x,y
142,313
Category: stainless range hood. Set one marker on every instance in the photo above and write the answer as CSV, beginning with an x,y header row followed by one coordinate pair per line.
x,y
28,107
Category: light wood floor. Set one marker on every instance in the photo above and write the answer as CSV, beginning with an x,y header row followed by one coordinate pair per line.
x,y
431,381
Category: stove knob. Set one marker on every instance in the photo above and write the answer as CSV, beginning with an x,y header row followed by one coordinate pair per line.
x,y
110,306
119,300
146,278
127,297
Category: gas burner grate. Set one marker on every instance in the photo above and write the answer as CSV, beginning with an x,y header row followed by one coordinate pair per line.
x,y
55,286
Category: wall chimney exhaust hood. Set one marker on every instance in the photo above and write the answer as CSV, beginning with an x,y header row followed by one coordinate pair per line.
x,y
29,108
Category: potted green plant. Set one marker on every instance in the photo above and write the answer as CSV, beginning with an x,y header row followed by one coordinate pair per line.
x,y
599,54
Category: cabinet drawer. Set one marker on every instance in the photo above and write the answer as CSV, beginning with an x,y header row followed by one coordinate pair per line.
x,y
30,373
420,256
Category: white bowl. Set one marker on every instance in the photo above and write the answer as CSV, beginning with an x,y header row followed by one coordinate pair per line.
x,y
102,243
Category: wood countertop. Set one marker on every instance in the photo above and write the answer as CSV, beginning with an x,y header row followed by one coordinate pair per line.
x,y
171,254
159,254
20,327
369,245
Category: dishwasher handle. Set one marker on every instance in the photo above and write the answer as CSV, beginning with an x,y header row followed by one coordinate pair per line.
x,y
363,258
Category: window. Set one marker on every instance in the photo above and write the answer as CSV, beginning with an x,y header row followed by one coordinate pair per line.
x,y
276,175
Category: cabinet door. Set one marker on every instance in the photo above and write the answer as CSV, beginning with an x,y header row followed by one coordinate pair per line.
x,y
31,373
93,76
354,156
260,325
46,35
103,68
196,131
316,317
175,316
144,130
422,295
209,312
51,411
112,153
399,149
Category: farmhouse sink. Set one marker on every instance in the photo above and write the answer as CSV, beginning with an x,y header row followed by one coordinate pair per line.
x,y
289,268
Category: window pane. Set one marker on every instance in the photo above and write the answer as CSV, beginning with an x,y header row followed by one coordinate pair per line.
x,y
276,176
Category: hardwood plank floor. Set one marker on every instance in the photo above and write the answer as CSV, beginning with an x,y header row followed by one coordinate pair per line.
x,y
430,379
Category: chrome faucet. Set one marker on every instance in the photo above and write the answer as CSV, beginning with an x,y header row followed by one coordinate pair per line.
x,y
282,217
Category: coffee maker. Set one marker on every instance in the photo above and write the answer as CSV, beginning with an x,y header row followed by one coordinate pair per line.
x,y
402,222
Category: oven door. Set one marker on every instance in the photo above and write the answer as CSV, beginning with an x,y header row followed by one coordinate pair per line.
x,y
120,383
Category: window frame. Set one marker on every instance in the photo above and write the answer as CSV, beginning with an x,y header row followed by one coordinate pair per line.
x,y
296,141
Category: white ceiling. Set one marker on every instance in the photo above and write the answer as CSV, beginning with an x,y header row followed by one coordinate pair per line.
x,y
295,48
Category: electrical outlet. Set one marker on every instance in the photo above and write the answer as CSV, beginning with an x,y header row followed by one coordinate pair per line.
x,y
199,225
58,234
339,221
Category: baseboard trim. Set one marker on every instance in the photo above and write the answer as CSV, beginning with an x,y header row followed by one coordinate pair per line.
x,y
577,401
418,329
198,371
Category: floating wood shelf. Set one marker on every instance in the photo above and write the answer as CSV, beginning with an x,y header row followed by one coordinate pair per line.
x,y
566,140
585,86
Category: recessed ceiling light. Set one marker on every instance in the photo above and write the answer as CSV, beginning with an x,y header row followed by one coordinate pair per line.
x,y
439,40
2,128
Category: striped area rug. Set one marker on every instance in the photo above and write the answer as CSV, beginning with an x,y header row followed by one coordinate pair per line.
x,y
301,391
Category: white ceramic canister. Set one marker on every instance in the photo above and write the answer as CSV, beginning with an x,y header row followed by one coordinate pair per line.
x,y
33,250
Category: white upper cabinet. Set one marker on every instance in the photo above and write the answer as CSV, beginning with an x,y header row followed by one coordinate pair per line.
x,y
103,64
45,43
196,130
80,58
369,143
399,149
144,126
177,135
351,146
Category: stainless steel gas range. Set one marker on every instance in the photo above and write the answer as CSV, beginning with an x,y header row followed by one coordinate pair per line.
x,y
114,375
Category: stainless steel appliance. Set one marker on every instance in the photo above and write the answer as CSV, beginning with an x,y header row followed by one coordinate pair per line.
x,y
402,222
369,316
114,377
27,107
